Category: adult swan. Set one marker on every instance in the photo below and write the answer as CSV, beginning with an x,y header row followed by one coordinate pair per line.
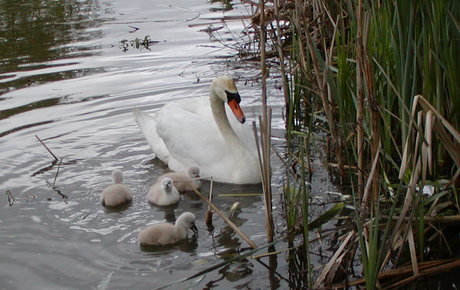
x,y
196,131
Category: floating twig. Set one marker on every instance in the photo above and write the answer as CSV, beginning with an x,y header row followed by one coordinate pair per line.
x,y
11,198
133,27
46,147
105,282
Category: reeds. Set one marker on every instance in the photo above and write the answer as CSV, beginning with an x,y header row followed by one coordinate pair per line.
x,y
362,67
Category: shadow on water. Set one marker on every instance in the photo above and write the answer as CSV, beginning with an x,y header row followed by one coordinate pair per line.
x,y
188,245
30,41
169,211
117,209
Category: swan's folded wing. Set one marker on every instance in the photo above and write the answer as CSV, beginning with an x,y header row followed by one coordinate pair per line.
x,y
147,125
190,138
200,106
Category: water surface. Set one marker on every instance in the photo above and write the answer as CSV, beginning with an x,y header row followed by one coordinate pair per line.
x,y
70,76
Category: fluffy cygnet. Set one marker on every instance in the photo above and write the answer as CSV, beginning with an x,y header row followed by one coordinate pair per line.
x,y
167,233
184,182
163,193
117,193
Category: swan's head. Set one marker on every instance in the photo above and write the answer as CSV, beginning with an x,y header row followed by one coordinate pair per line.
x,y
187,219
117,176
193,172
167,184
224,87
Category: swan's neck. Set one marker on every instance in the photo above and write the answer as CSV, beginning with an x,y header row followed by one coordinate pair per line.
x,y
246,165
220,116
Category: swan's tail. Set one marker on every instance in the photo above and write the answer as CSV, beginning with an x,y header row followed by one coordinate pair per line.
x,y
148,127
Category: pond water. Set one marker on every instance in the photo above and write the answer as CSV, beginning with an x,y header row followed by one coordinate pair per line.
x,y
70,76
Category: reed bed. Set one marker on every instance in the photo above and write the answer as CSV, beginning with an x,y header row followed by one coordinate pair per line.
x,y
382,78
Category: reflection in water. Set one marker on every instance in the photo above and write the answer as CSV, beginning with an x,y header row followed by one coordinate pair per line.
x,y
227,236
233,273
36,32
119,208
226,5
137,43
188,245
29,107
170,214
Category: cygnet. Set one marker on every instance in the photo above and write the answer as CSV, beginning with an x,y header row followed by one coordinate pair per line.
x,y
184,182
163,193
166,233
117,193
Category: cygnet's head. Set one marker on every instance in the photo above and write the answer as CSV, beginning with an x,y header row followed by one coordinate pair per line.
x,y
193,172
117,176
167,184
187,219
224,87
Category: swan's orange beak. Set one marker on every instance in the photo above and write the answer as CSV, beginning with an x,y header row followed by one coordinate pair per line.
x,y
236,109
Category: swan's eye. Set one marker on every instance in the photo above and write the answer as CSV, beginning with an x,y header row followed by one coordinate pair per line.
x,y
233,96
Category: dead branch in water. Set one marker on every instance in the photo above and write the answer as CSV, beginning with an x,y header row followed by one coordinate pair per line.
x,y
46,147
11,198
53,186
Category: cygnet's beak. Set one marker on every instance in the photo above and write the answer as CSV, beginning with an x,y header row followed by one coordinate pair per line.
x,y
166,186
236,109
194,229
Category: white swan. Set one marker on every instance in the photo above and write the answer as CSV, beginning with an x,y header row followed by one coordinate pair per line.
x,y
167,233
184,182
117,193
163,193
196,131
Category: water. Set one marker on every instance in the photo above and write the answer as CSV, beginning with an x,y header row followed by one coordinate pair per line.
x,y
67,78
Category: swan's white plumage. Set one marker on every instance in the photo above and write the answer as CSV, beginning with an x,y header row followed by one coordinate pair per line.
x,y
167,233
188,132
117,193
163,192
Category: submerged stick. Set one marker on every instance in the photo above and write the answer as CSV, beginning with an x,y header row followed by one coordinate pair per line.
x,y
263,152
454,219
46,147
229,222
426,273
57,172
209,212
332,261
53,186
